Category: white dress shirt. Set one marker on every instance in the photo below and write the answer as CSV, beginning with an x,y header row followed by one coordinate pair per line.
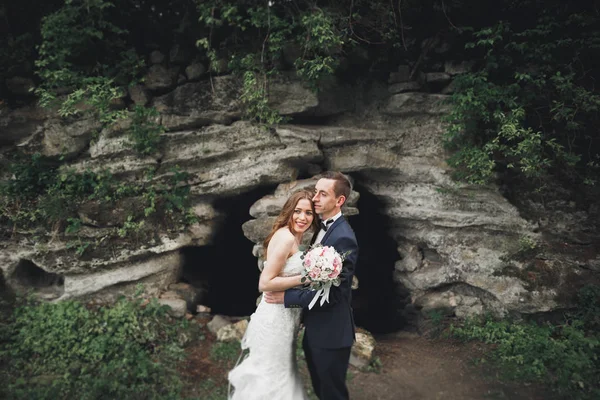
x,y
321,233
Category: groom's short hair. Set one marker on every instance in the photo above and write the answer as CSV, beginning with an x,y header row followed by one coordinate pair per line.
x,y
342,185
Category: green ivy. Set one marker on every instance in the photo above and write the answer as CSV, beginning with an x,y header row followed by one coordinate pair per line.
x,y
255,98
77,41
323,42
253,37
145,132
532,106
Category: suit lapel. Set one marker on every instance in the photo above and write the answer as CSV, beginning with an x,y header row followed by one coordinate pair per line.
x,y
337,223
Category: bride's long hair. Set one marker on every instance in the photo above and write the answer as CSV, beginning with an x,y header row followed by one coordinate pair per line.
x,y
287,211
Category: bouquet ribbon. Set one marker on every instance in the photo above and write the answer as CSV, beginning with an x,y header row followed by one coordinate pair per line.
x,y
323,293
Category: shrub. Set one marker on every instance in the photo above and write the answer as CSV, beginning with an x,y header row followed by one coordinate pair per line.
x,y
566,356
65,350
532,106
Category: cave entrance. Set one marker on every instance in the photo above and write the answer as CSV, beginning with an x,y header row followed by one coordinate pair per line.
x,y
226,270
46,285
378,302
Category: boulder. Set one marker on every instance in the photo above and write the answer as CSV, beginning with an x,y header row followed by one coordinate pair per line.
x,y
154,273
402,87
170,294
362,350
290,96
437,78
21,125
156,57
160,77
177,307
195,71
68,139
139,95
201,233
257,230
192,295
456,68
201,309
195,104
217,323
451,302
405,104
233,332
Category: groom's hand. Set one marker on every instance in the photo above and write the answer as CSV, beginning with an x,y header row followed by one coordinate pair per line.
x,y
274,297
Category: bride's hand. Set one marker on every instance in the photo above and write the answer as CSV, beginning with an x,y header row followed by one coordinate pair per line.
x,y
274,297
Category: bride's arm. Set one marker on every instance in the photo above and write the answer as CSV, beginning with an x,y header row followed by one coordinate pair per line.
x,y
279,248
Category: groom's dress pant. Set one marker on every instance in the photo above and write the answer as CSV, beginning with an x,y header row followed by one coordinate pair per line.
x,y
328,368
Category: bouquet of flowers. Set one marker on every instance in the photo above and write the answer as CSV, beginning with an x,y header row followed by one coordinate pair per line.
x,y
322,267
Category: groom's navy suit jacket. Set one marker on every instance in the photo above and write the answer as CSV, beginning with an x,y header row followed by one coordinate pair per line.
x,y
331,325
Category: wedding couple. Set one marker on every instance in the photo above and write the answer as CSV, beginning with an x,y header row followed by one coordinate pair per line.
x,y
270,371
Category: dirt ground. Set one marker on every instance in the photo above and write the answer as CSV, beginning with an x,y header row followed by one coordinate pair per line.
x,y
417,368
412,367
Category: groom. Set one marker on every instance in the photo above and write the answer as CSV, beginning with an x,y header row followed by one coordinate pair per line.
x,y
329,329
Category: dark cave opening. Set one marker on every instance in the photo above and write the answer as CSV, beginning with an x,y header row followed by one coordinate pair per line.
x,y
378,302
29,276
226,269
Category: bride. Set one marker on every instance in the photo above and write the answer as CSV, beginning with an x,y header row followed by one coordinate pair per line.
x,y
270,370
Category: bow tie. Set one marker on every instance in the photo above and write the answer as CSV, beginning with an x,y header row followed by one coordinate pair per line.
x,y
325,225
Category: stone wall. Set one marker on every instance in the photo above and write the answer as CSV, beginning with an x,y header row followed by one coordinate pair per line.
x,y
460,246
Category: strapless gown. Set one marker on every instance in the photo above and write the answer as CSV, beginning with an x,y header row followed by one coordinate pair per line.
x,y
270,371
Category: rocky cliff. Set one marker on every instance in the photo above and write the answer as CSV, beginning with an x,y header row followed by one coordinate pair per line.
x,y
460,248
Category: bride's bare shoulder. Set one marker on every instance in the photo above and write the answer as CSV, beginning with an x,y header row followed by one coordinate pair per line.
x,y
283,235
282,241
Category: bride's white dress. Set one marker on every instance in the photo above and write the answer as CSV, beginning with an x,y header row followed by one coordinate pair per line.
x,y
270,372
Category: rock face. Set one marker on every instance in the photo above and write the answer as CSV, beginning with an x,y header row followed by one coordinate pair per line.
x,y
458,244
292,98
362,350
160,77
197,104
232,332
18,125
447,235
176,307
68,139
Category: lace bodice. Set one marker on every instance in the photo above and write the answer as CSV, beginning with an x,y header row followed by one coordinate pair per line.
x,y
293,265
